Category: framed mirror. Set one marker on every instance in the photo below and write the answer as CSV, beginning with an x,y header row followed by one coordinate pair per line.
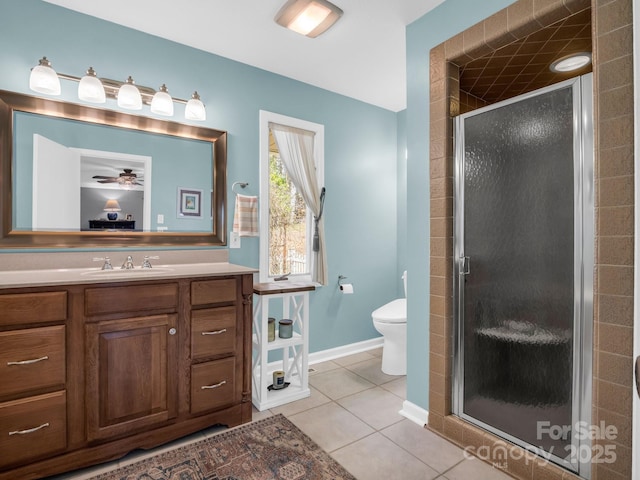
x,y
77,176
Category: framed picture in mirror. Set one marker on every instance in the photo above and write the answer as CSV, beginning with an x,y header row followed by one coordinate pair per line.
x,y
189,202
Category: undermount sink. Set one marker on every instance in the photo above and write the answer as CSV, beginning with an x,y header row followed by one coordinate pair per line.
x,y
133,271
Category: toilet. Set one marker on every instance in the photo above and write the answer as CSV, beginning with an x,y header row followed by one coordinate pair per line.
x,y
391,321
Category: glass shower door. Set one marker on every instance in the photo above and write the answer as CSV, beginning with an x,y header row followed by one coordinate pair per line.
x,y
520,264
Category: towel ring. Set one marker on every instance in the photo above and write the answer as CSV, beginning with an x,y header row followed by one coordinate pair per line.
x,y
242,184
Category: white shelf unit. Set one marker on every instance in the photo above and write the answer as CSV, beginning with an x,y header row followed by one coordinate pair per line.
x,y
295,350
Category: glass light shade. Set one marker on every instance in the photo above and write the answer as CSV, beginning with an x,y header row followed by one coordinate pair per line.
x,y
195,109
162,103
129,96
44,79
571,63
90,88
312,16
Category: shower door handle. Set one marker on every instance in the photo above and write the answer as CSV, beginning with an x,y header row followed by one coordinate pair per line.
x,y
638,374
464,267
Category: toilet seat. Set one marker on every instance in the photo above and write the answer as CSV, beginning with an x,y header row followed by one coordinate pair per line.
x,y
392,312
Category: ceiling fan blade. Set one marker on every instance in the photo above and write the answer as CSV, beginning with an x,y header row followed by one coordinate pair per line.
x,y
103,177
107,181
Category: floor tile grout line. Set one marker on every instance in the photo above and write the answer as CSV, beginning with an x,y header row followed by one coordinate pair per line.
x,y
376,430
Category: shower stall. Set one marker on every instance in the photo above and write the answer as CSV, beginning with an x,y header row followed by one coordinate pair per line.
x,y
523,265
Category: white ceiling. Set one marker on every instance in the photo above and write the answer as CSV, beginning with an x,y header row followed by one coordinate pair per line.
x,y
362,56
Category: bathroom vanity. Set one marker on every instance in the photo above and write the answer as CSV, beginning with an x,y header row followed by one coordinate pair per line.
x,y
95,364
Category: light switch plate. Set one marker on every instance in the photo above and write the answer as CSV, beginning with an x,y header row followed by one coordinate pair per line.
x,y
160,219
234,240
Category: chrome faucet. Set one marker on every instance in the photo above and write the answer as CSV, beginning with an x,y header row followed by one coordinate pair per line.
x,y
128,264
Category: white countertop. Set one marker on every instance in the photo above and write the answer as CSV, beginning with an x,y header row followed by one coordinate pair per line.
x,y
69,276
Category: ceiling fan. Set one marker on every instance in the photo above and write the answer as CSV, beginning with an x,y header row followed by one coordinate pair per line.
x,y
127,177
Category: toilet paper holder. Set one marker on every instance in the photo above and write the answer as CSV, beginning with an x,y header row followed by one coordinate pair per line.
x,y
345,288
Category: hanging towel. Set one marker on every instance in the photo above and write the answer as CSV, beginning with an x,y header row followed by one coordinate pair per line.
x,y
245,219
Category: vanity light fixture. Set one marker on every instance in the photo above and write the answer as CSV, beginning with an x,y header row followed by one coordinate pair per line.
x,y
194,110
129,96
571,62
162,103
308,17
44,79
90,88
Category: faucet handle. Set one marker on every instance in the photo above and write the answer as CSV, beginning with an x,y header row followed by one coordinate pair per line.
x,y
146,261
107,262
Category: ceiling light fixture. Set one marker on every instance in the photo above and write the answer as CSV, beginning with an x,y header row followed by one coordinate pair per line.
x,y
308,17
571,62
44,79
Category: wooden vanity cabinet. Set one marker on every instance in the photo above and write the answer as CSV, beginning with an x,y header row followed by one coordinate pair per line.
x,y
128,365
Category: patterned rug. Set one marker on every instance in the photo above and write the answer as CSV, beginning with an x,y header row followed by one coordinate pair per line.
x,y
269,449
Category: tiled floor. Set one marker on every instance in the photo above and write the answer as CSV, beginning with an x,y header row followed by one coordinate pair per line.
x,y
352,413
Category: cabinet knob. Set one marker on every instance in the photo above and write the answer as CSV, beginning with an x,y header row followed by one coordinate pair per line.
x,y
172,331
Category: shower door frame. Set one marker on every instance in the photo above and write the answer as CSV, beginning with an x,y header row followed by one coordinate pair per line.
x,y
583,182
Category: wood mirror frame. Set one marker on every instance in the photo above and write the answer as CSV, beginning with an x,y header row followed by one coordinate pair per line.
x,y
11,102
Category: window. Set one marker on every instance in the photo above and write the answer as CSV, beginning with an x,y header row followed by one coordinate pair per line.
x,y
286,248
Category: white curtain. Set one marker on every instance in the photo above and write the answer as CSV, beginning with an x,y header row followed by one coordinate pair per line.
x,y
296,152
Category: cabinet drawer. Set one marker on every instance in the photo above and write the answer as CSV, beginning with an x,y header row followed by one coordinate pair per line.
x,y
213,331
32,427
32,358
25,308
212,384
213,291
132,298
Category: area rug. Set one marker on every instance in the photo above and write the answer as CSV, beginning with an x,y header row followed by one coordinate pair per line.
x,y
269,449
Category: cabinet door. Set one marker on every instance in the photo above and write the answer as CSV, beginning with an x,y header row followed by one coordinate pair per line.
x,y
131,375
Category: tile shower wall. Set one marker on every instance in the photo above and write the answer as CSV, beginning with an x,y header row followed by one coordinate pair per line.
x,y
613,312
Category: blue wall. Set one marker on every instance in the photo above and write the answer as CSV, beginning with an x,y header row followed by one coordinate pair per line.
x,y
360,142
442,23
371,236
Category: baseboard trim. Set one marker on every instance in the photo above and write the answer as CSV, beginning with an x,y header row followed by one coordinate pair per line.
x,y
414,413
344,350
333,353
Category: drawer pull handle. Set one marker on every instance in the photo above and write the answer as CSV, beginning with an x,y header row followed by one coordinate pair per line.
x,y
28,362
208,387
216,332
30,430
